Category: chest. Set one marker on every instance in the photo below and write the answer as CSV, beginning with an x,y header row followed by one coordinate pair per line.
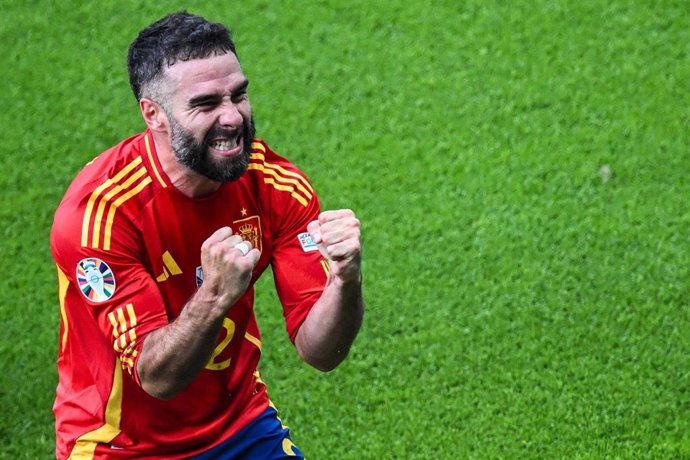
x,y
173,228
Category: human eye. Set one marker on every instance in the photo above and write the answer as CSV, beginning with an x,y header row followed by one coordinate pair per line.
x,y
240,94
204,103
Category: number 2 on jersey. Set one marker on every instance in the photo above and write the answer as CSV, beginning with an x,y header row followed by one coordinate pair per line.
x,y
229,326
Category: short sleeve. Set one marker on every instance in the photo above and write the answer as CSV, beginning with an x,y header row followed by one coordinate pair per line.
x,y
110,287
299,270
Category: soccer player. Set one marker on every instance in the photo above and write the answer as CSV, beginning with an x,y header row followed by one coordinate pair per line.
x,y
158,243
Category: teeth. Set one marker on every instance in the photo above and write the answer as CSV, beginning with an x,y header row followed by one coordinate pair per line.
x,y
224,145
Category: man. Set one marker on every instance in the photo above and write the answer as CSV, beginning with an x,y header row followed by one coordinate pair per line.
x,y
158,243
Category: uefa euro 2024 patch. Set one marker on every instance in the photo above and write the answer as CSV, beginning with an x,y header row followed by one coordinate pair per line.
x,y
307,243
96,280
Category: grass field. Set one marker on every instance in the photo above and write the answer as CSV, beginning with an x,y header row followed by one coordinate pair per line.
x,y
522,173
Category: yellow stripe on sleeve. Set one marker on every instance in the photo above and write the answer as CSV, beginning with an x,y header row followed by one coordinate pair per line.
x,y
132,315
283,171
273,172
106,198
116,204
258,146
63,284
277,186
96,194
89,208
113,321
286,188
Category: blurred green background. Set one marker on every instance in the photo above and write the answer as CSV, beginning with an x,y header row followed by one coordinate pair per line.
x,y
521,170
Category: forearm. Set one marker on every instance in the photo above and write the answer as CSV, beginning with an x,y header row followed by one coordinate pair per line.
x,y
173,356
325,337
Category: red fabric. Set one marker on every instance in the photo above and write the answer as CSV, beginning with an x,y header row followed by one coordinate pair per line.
x,y
122,214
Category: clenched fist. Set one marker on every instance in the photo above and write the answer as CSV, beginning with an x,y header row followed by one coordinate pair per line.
x,y
337,235
227,262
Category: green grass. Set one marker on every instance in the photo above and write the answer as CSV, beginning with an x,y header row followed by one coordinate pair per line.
x,y
519,303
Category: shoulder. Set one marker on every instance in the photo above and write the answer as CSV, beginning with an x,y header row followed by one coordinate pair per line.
x,y
287,196
280,176
115,184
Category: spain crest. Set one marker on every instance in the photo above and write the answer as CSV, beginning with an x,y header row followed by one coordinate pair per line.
x,y
249,229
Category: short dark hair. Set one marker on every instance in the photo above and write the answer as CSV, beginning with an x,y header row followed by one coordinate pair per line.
x,y
177,37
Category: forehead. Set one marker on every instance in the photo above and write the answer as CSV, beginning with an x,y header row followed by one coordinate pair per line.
x,y
212,74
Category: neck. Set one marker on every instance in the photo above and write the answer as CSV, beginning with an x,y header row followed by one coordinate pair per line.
x,y
188,182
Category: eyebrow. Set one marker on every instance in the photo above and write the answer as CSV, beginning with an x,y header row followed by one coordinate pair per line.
x,y
211,97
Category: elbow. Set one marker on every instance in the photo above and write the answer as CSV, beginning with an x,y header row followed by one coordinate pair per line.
x,y
323,366
160,391
325,363
155,383
161,382
164,395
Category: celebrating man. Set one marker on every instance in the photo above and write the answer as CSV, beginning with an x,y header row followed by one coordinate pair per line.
x,y
158,243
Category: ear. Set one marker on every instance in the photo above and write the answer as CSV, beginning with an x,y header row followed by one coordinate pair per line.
x,y
154,115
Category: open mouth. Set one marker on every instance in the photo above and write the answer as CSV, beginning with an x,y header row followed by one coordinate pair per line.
x,y
227,146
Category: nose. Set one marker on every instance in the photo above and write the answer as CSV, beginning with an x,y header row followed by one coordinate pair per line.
x,y
230,115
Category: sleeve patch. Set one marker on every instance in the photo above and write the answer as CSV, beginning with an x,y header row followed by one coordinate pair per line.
x,y
96,280
307,243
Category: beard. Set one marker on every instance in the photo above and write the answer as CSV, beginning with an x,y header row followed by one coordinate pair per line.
x,y
195,155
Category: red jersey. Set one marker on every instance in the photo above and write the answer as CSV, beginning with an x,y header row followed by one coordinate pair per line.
x,y
127,247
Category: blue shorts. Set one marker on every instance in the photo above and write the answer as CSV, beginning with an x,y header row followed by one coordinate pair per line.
x,y
263,439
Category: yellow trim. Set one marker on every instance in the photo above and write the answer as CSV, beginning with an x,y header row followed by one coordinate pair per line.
x,y
273,406
111,317
132,315
253,340
129,362
258,146
121,321
106,198
285,172
86,444
153,164
63,284
257,375
273,173
89,208
284,188
123,342
246,219
326,268
288,447
94,196
116,204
